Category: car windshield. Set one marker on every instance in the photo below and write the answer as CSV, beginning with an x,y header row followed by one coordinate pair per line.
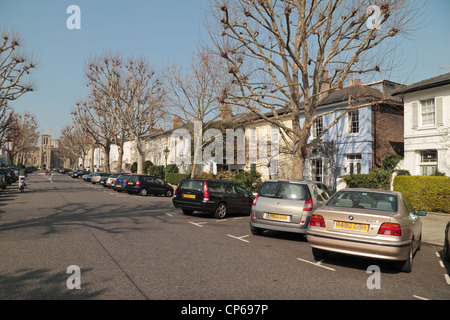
x,y
284,190
364,200
192,185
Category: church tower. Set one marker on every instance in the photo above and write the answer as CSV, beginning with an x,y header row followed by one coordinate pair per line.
x,y
45,151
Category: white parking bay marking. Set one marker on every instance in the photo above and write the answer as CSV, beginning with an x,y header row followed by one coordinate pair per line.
x,y
198,224
318,264
239,238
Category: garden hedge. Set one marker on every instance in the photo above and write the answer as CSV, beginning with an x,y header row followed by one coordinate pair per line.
x,y
427,193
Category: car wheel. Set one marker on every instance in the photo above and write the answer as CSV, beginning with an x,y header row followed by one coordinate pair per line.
x,y
221,211
143,192
169,193
447,246
319,254
187,212
406,266
256,231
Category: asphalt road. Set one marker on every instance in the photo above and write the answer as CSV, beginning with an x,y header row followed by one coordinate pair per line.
x,y
131,247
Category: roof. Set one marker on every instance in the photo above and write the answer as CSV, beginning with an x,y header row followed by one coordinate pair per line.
x,y
430,83
361,93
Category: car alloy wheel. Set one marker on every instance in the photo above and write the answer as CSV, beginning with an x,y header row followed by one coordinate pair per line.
x,y
406,266
221,211
143,192
169,193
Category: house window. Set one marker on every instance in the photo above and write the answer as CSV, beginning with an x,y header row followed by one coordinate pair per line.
x,y
428,156
427,112
353,165
428,162
317,127
317,170
353,121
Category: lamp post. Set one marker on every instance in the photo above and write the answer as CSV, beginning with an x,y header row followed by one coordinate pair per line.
x,y
166,154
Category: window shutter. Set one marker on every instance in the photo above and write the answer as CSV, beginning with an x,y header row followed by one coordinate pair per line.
x,y
415,114
307,170
439,111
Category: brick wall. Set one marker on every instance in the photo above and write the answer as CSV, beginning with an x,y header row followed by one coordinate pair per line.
x,y
387,133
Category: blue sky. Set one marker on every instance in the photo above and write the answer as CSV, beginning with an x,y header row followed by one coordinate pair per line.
x,y
163,32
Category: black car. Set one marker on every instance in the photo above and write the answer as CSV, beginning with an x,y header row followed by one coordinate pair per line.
x,y
143,184
79,174
219,197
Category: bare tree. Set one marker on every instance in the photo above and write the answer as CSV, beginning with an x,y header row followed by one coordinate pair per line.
x,y
75,143
22,137
194,94
290,55
132,92
95,119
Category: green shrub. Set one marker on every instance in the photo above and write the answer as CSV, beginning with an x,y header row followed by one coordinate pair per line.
x,y
250,180
390,162
175,178
427,193
226,175
133,168
156,171
204,175
375,179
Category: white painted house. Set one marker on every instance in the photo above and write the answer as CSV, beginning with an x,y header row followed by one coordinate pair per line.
x,y
426,126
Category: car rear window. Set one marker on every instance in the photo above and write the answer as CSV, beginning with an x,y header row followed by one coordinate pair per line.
x,y
192,185
285,190
364,200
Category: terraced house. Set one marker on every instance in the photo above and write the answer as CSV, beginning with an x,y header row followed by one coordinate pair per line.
x,y
427,124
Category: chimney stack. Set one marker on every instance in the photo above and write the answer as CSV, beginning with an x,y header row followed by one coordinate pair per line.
x,y
177,122
225,113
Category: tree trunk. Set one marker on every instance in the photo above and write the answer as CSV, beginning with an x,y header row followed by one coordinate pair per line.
x,y
140,155
106,149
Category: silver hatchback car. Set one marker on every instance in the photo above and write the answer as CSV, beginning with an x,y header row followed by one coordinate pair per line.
x,y
286,205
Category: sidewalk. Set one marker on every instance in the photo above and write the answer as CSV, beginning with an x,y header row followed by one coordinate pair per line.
x,y
433,227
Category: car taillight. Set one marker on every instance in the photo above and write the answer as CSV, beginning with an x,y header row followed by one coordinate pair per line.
x,y
309,205
176,190
205,192
254,200
390,229
138,183
317,221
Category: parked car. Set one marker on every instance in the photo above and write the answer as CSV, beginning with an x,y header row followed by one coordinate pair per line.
x,y
367,222
88,177
219,197
97,176
2,182
447,243
103,180
121,181
8,176
110,179
286,205
145,184
79,174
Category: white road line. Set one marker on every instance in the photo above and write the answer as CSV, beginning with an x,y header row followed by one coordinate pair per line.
x,y
317,264
239,238
168,214
447,278
198,224
421,298
222,220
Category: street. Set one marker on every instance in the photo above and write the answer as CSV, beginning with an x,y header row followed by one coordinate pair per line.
x,y
131,247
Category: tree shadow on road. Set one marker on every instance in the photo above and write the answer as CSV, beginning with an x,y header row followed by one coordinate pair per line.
x,y
42,284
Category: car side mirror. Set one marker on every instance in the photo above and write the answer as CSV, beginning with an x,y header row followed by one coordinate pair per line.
x,y
422,213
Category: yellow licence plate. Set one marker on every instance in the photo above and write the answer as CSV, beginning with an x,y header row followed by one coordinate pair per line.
x,y
351,226
190,196
278,216
130,182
